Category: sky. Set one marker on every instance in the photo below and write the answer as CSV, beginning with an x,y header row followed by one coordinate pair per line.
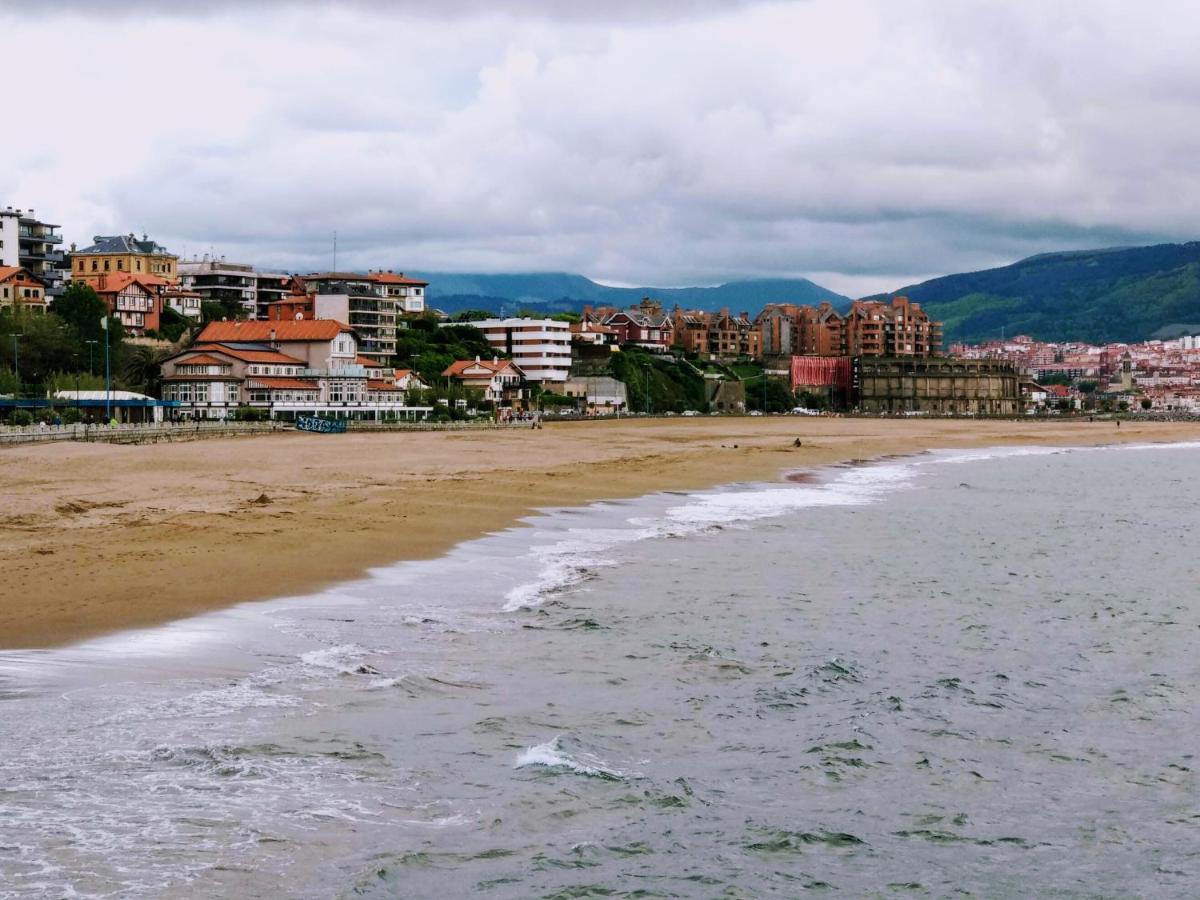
x,y
865,144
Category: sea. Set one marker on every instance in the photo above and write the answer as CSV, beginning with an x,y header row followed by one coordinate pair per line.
x,y
960,673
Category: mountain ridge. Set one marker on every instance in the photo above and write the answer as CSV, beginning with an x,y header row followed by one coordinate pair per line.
x,y
565,291
1106,295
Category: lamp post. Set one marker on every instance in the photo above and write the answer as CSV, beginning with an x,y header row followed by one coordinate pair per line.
x,y
17,366
75,359
90,344
107,375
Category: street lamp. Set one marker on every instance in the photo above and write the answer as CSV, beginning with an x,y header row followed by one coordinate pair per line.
x,y
104,323
17,366
90,344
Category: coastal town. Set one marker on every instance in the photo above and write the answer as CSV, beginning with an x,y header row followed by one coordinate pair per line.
x,y
210,340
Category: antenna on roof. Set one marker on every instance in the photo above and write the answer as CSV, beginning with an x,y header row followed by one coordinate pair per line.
x,y
335,250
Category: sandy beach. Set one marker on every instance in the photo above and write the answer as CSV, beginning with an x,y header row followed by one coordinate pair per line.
x,y
96,538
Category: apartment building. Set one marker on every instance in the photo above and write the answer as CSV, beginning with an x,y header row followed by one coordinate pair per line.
x,y
898,328
360,301
9,240
218,281
786,329
717,335
541,348
37,245
123,253
409,293
270,287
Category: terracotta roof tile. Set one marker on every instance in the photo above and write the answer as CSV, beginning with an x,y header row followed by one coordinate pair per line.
x,y
282,330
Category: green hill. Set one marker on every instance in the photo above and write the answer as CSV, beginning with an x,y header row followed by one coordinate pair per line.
x,y
1118,294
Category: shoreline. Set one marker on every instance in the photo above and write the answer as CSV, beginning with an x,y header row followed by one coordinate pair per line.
x,y
100,538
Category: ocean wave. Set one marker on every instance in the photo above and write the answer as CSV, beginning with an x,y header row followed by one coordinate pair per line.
x,y
345,659
553,755
564,564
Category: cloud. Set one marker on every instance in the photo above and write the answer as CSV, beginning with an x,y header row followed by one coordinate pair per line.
x,y
873,143
554,10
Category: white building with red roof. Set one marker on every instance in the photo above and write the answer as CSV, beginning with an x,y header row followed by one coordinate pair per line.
x,y
496,379
285,368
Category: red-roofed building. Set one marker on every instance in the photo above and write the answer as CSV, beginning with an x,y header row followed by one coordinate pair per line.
x,y
409,293
497,379
305,368
135,299
18,288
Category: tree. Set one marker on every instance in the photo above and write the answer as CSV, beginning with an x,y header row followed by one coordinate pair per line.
x,y
173,325
1147,403
472,315
81,308
46,344
1088,387
141,369
778,397
212,311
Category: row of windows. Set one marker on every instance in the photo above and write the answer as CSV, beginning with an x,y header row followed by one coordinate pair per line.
x,y
203,370
156,267
139,302
187,392
27,293
346,391
261,396
274,370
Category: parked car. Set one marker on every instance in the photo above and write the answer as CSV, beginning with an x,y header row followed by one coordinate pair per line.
x,y
690,412
756,412
802,411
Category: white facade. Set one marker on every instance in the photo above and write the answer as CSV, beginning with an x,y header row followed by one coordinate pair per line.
x,y
540,347
9,241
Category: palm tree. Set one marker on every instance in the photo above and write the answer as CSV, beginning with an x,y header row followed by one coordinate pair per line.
x,y
142,369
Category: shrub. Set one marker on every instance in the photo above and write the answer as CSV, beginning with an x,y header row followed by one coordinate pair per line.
x,y
21,418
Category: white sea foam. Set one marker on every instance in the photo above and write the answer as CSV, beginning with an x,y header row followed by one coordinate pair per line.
x,y
552,756
565,563
343,659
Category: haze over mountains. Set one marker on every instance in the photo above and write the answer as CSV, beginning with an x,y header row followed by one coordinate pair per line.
x,y
562,292
1116,294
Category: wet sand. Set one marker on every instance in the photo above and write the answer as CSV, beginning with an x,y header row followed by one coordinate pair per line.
x,y
96,537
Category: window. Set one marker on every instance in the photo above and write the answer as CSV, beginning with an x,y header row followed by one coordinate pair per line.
x,y
94,265
138,263
120,265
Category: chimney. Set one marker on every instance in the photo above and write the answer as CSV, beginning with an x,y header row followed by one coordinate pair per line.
x,y
272,335
476,358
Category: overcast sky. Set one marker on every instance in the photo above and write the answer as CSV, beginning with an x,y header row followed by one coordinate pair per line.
x,y
865,145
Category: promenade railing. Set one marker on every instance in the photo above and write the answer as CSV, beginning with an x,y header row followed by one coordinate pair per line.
x,y
133,433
